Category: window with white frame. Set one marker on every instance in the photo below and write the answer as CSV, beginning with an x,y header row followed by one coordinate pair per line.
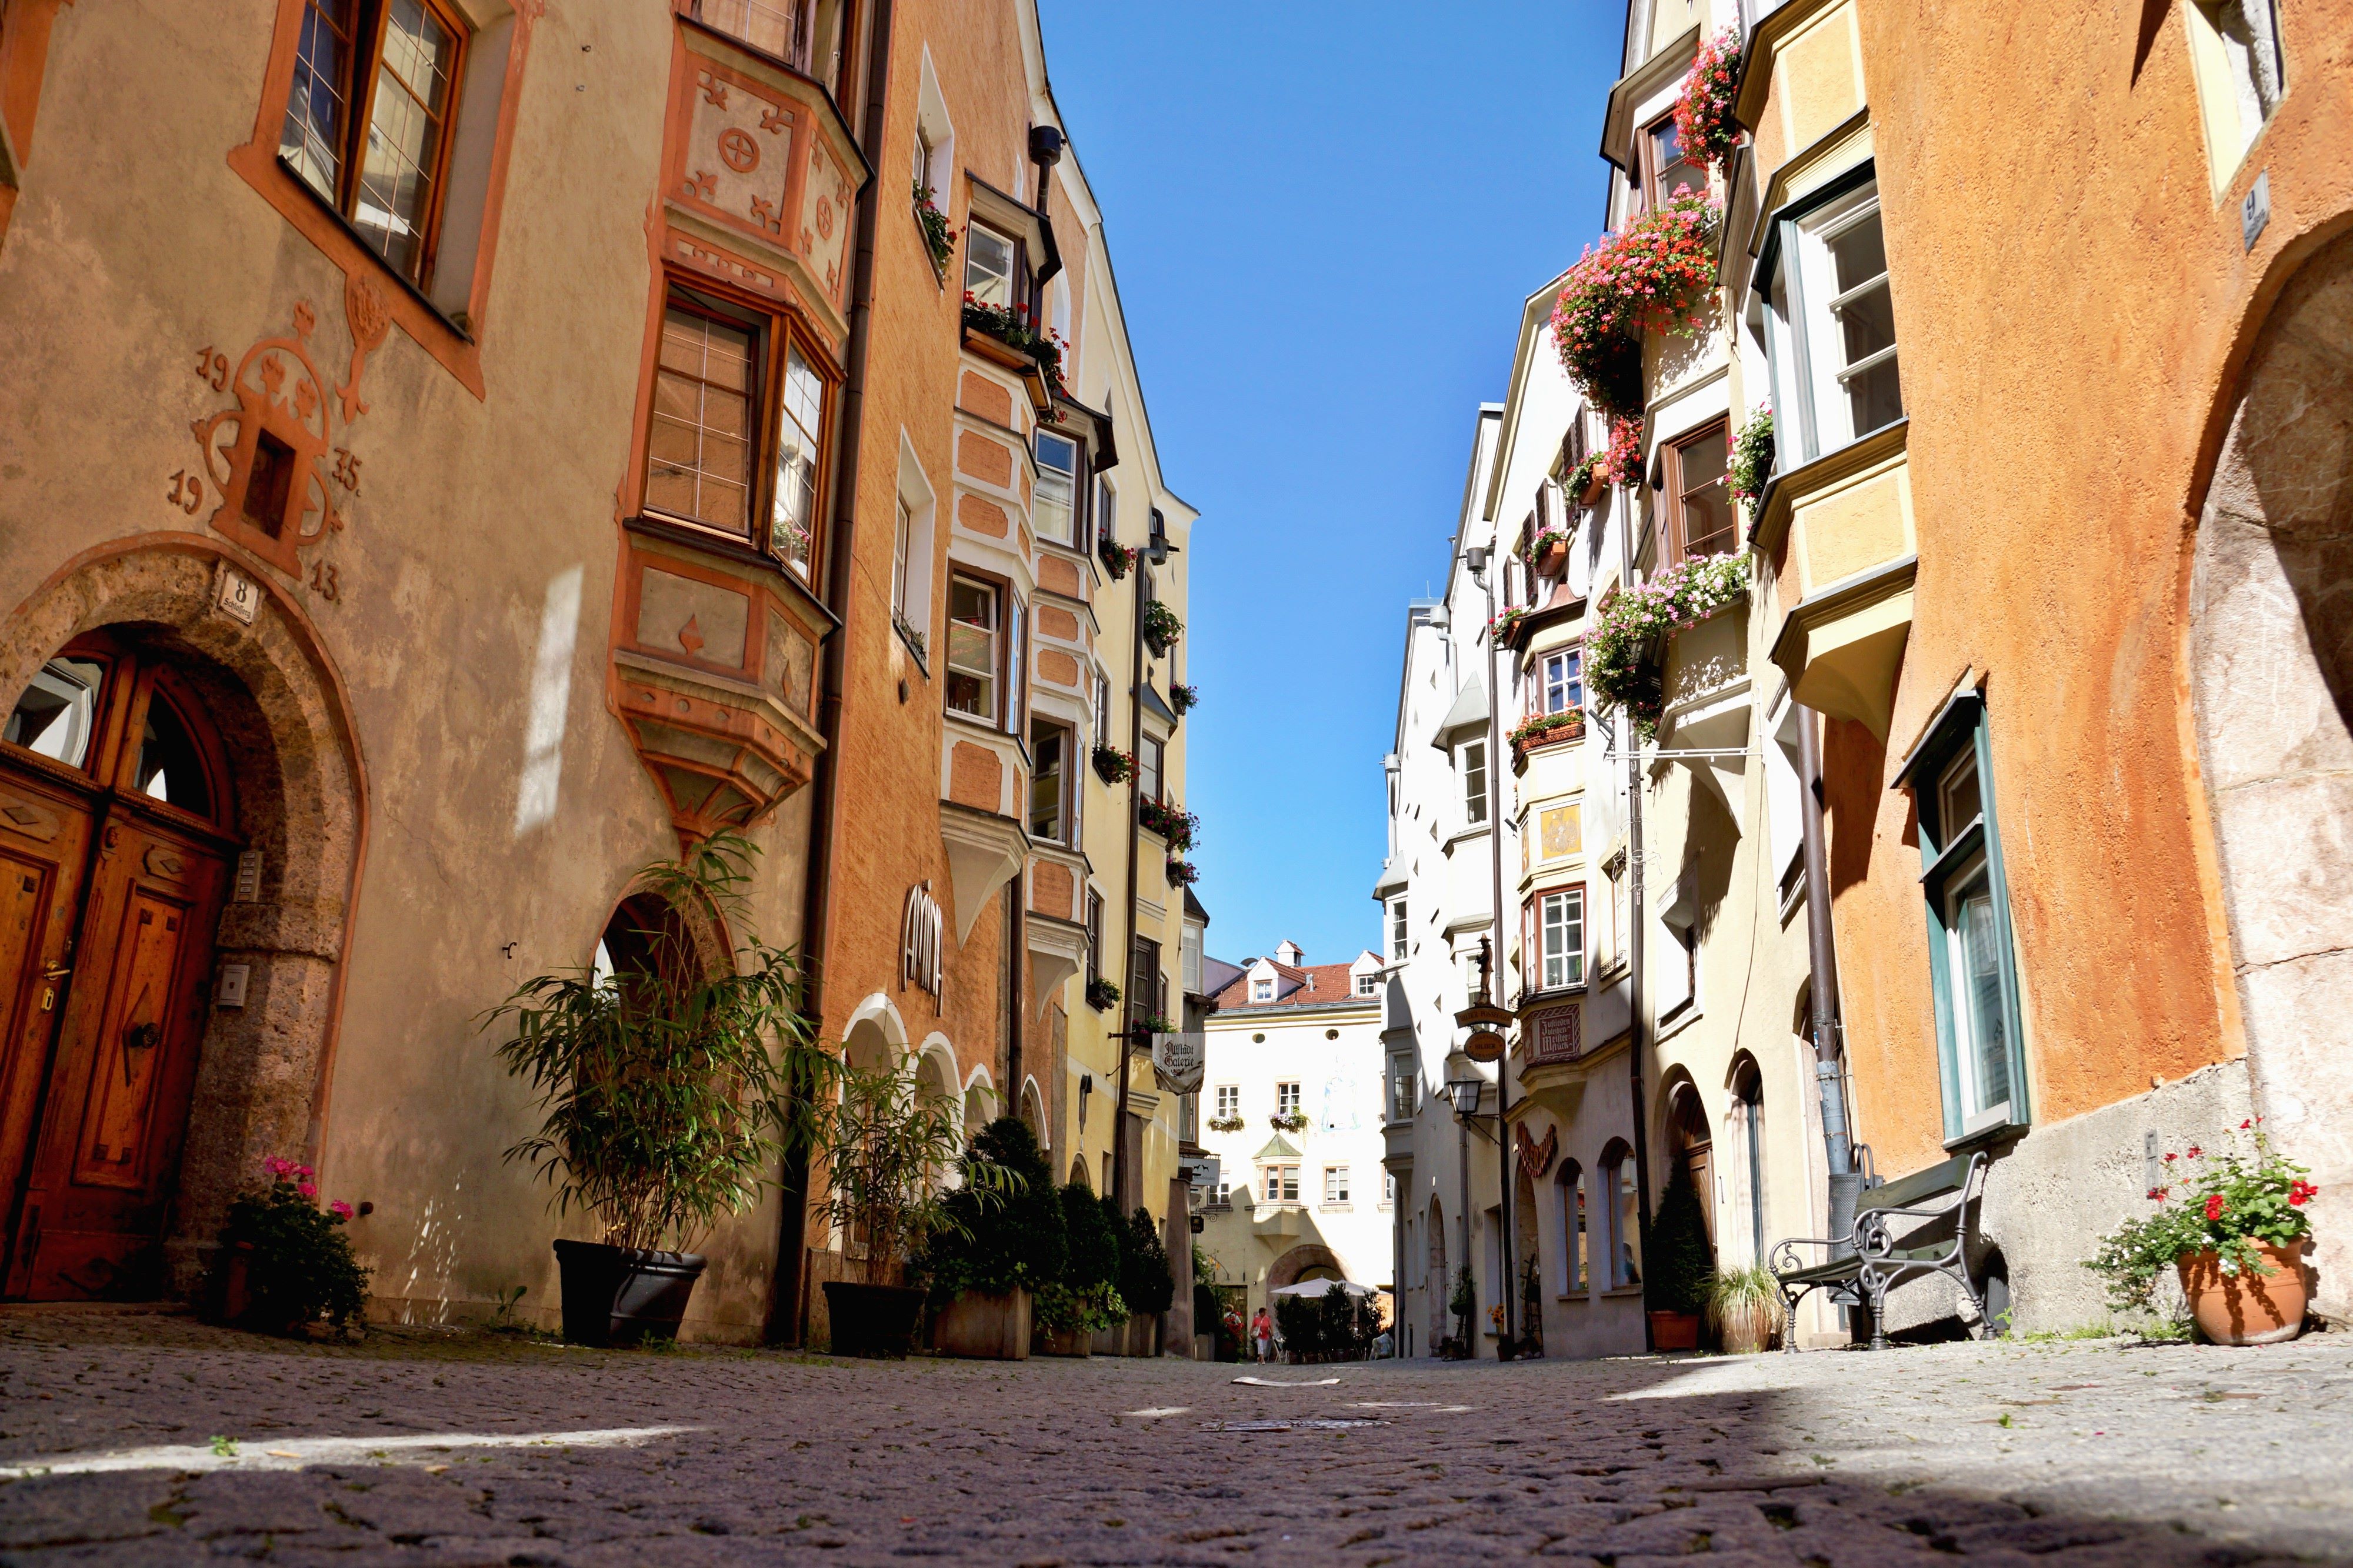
x,y
1401,1085
1053,507
1050,756
1149,757
1397,931
1286,1099
1228,1101
1474,783
1279,1184
1562,687
1103,709
1335,1183
987,266
1369,983
900,550
1624,1213
1262,988
1560,934
1834,294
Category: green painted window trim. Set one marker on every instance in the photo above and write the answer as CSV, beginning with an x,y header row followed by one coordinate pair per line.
x,y
1963,723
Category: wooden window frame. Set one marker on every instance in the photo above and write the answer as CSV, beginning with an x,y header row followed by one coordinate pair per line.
x,y
1674,546
1159,751
1646,157
1065,807
998,589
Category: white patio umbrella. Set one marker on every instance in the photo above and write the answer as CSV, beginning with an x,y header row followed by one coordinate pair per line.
x,y
1323,1287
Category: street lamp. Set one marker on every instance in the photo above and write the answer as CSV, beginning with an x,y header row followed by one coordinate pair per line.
x,y
1465,1093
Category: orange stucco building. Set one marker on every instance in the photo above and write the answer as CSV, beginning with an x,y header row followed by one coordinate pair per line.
x,y
2073,611
544,436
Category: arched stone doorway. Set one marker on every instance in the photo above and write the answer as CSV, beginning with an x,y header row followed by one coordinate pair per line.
x,y
2271,664
1309,1261
1441,1284
1691,1144
1743,1240
227,1021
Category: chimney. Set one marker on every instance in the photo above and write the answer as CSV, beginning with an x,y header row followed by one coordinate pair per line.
x,y
1290,954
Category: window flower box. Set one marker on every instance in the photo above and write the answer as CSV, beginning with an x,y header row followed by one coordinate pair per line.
x,y
1184,699
1587,482
1545,730
1225,1124
1506,626
1547,553
1292,1122
1160,628
1102,995
1624,646
1113,765
1117,559
1173,824
1182,873
1003,334
1657,274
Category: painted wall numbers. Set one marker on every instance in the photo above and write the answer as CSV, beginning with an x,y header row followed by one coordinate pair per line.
x,y
187,492
347,469
212,368
324,582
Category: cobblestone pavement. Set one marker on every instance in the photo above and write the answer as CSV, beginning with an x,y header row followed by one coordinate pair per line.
x,y
148,1439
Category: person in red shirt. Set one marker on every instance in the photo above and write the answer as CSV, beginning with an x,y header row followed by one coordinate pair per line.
x,y
1263,1335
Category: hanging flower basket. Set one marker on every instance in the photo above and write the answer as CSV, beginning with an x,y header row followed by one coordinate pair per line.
x,y
1113,765
1752,455
1160,628
1184,699
1658,274
1182,873
1704,124
1623,645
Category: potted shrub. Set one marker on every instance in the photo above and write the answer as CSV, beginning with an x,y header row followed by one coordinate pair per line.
x,y
1145,1285
1299,1327
1744,1307
285,1263
885,1142
665,1104
2234,1238
987,1258
1085,1300
1161,627
1675,1285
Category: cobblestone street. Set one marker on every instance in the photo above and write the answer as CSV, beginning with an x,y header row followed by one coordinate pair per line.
x,y
139,1439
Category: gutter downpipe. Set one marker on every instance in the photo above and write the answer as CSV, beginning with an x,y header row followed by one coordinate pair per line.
x,y
1634,945
1821,952
1156,542
1509,1285
786,1309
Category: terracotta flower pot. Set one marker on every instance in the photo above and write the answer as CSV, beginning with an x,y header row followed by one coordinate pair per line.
x,y
1553,559
1747,1330
1594,489
1674,1330
2246,1308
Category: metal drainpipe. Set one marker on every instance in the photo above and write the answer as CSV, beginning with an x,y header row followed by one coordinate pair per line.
x,y
784,1325
1822,951
1508,1288
1134,834
1634,945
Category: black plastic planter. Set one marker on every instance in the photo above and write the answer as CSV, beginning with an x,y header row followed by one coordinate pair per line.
x,y
624,1295
873,1319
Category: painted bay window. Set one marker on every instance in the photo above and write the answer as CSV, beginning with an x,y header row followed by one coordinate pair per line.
x,y
805,35
368,121
1700,520
1972,961
1558,919
700,444
1279,1184
975,647
1474,783
1397,931
1053,508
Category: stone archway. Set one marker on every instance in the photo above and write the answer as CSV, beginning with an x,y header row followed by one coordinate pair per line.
x,y
1299,1262
2271,678
285,723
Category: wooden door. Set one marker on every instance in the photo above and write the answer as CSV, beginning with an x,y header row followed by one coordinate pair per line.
x,y
111,982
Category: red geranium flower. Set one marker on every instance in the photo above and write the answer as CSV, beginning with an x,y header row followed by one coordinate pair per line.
x,y
2300,1193
2213,1206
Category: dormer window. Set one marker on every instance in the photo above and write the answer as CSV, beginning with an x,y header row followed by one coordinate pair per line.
x,y
1262,990
1369,984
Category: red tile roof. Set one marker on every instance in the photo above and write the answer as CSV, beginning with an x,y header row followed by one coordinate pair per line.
x,y
1293,987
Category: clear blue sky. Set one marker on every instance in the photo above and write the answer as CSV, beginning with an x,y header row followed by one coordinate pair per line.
x,y
1324,217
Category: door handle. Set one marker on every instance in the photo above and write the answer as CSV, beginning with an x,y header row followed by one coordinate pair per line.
x,y
56,971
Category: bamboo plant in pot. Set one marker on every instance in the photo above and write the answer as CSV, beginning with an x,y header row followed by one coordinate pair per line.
x,y
986,1260
886,1141
670,1085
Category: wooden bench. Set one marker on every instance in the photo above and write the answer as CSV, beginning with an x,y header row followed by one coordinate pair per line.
x,y
1873,1258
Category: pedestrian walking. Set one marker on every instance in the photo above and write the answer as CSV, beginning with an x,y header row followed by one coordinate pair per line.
x,y
1262,1334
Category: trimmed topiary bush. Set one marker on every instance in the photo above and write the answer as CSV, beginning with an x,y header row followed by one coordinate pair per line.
x,y
1680,1263
1145,1283
1020,1243
1087,1296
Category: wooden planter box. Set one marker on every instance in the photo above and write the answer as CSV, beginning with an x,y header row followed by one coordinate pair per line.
x,y
984,1327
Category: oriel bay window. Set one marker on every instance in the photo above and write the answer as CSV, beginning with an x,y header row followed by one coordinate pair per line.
x,y
1054,508
368,121
1049,771
988,267
1833,333
1973,970
721,393
1555,935
1699,520
1560,688
1279,1184
975,647
1665,171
